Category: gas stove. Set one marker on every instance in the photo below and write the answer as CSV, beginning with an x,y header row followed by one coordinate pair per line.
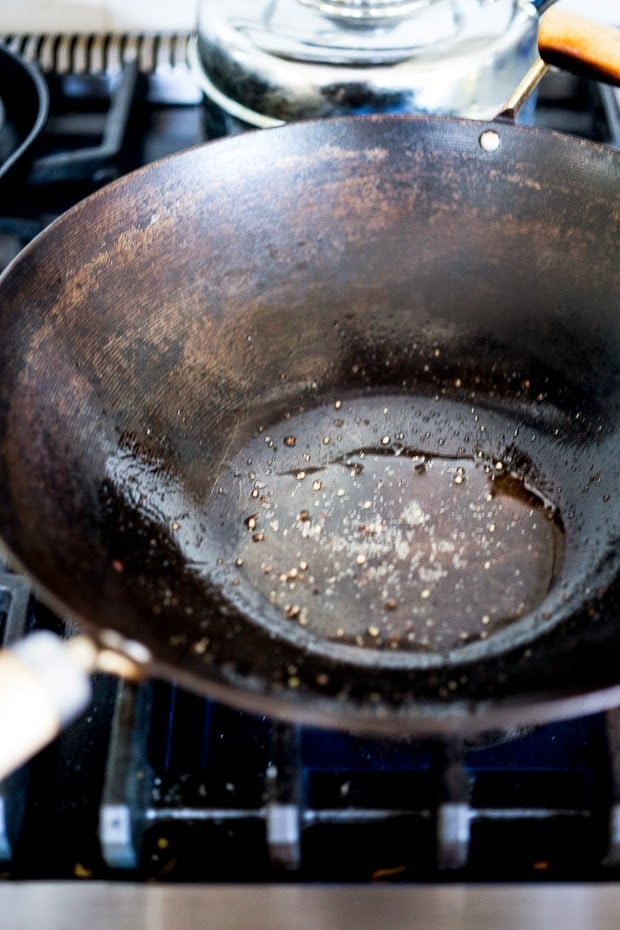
x,y
155,784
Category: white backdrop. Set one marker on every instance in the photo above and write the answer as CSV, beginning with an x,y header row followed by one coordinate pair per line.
x,y
73,16
39,16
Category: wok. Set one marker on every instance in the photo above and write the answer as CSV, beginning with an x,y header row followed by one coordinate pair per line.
x,y
323,421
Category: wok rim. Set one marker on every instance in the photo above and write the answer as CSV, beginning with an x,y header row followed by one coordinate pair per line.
x,y
498,124
421,716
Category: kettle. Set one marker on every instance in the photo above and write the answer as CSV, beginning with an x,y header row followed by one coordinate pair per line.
x,y
266,62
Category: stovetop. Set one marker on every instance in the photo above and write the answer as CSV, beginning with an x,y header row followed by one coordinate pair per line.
x,y
155,783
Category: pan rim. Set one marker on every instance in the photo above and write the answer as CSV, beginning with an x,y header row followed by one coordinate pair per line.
x,y
307,126
415,716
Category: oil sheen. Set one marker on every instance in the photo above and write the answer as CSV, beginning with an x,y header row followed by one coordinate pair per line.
x,y
361,525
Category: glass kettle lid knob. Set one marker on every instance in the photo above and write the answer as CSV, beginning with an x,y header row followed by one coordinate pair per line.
x,y
366,12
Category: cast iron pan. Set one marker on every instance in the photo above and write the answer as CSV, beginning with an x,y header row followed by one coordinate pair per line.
x,y
326,418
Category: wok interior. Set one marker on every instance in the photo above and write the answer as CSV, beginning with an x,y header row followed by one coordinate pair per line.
x,y
178,316
379,520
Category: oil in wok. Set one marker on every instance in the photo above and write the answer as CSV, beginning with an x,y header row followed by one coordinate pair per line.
x,y
363,524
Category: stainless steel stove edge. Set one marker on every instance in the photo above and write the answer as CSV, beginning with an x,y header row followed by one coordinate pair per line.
x,y
62,906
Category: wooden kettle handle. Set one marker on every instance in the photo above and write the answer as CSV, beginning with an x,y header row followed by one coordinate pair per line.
x,y
580,45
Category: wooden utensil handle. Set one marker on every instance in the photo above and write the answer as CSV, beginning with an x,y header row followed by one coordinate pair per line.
x,y
580,45
44,685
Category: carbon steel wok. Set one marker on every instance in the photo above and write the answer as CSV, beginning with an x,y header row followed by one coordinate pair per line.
x,y
327,419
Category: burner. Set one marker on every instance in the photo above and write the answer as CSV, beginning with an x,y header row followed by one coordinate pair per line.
x,y
23,108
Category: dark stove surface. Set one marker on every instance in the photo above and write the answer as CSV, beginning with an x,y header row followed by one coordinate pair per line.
x,y
155,783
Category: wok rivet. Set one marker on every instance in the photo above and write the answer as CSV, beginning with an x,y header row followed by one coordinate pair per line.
x,y
489,140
